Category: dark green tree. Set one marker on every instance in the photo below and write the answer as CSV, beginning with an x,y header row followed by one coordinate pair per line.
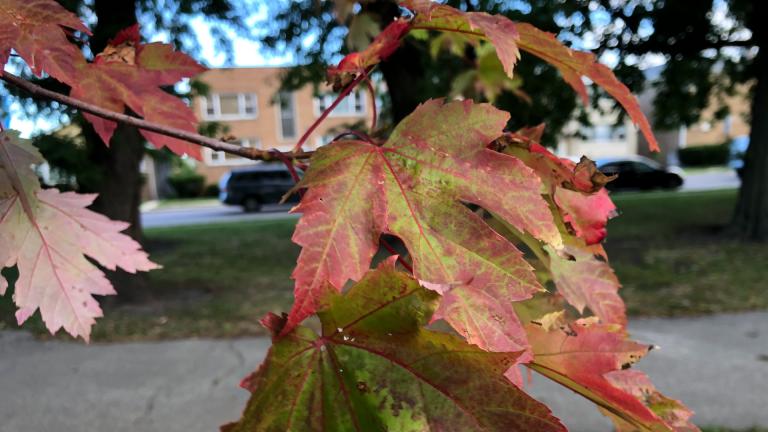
x,y
712,49
412,74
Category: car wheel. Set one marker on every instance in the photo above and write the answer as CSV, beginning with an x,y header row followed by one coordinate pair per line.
x,y
673,183
251,204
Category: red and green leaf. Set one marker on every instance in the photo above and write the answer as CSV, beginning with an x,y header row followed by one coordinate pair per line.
x,y
585,279
414,186
497,29
576,188
375,367
130,74
37,31
575,65
509,38
580,357
48,235
382,46
673,412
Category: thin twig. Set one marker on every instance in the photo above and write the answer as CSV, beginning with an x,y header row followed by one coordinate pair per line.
x,y
194,138
344,93
372,94
400,257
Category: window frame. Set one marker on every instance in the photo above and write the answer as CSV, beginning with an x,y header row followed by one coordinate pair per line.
x,y
324,100
295,116
215,101
219,158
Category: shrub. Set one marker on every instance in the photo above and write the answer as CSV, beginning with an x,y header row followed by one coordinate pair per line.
x,y
705,155
211,191
187,184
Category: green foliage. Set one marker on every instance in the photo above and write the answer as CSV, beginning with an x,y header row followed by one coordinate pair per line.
x,y
376,368
187,182
704,155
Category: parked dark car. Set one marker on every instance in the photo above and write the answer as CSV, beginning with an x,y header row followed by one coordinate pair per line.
x,y
737,149
637,172
252,187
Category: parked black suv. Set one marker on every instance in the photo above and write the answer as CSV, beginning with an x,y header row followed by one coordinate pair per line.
x,y
252,187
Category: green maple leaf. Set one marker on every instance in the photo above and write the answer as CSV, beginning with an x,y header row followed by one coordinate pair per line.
x,y
375,368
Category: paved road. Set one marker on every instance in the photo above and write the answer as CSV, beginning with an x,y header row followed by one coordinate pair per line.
x,y
210,214
223,214
716,364
711,180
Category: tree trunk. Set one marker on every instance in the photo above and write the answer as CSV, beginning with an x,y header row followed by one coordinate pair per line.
x,y
120,188
751,215
403,71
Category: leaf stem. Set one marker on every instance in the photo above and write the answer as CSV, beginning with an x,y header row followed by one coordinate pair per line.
x,y
372,94
212,143
344,93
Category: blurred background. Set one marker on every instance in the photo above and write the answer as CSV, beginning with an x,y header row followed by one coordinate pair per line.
x,y
688,245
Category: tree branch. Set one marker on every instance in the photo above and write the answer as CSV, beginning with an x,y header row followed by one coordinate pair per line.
x,y
212,143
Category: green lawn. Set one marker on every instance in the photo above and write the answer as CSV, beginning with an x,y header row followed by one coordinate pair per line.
x,y
673,257
668,250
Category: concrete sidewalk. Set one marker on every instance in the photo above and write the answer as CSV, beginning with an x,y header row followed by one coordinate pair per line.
x,y
718,365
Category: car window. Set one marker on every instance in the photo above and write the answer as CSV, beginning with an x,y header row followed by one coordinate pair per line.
x,y
610,169
642,168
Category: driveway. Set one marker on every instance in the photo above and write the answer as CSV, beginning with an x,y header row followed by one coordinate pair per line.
x,y
716,364
711,180
215,213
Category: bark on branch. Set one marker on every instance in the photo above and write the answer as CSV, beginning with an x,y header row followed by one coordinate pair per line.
x,y
212,143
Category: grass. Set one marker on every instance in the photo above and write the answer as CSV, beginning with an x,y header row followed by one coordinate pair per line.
x,y
674,258
218,280
180,203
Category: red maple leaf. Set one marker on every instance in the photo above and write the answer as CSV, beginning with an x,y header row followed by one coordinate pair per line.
x,y
130,74
36,30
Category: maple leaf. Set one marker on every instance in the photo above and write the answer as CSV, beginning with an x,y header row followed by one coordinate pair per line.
x,y
48,234
414,187
577,188
375,367
382,46
587,281
130,74
573,65
497,29
554,171
35,29
580,269
587,215
580,357
509,38
673,412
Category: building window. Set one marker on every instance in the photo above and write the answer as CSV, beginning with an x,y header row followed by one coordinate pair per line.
x,y
221,158
287,115
351,106
604,133
323,140
229,106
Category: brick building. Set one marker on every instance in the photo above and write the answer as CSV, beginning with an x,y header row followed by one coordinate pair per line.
x,y
249,102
